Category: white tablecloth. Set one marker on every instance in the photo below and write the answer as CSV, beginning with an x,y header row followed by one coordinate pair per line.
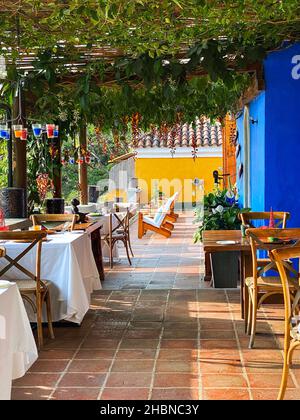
x,y
68,262
17,346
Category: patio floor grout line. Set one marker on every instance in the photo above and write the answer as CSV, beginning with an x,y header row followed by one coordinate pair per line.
x,y
291,372
200,384
244,370
117,350
70,361
158,349
168,251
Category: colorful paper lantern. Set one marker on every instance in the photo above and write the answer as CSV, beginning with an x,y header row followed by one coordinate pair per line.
x,y
42,182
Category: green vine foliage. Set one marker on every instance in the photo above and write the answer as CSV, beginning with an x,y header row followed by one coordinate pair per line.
x,y
160,57
108,107
3,164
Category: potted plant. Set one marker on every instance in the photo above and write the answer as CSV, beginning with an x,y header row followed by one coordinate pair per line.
x,y
220,211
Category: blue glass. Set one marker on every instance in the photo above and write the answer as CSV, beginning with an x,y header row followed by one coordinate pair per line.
x,y
55,133
37,131
7,135
72,160
3,134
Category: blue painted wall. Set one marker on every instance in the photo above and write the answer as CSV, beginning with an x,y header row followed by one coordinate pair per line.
x,y
257,153
283,131
275,138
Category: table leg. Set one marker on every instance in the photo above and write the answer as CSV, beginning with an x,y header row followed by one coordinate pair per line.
x,y
208,274
97,251
246,272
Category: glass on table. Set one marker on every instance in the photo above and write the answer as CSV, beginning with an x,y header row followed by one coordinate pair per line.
x,y
243,230
36,227
66,227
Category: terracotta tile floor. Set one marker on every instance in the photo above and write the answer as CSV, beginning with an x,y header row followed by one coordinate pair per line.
x,y
172,339
160,263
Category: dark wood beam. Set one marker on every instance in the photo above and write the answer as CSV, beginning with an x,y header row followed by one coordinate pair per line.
x,y
57,192
82,167
19,148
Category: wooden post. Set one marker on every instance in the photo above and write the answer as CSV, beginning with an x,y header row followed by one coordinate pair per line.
x,y
82,168
19,150
229,151
57,192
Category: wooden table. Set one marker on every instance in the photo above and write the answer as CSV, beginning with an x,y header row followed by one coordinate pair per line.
x,y
242,245
14,224
94,229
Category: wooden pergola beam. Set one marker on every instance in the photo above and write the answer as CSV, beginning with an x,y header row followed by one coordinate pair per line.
x,y
82,167
19,150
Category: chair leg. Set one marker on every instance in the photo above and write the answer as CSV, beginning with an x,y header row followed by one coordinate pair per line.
x,y
49,315
249,315
253,320
39,321
129,243
141,228
111,258
246,307
127,251
285,373
130,249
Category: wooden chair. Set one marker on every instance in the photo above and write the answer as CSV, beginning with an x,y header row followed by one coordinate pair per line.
x,y
2,252
32,285
51,219
280,217
158,224
261,286
170,205
291,312
117,233
126,230
162,222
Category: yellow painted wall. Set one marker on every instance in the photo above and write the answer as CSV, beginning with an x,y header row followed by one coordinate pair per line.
x,y
175,174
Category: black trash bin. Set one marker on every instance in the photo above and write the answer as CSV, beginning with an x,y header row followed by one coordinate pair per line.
x,y
225,269
55,206
13,202
93,194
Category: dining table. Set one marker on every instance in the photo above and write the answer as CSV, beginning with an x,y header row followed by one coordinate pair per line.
x,y
67,261
22,224
93,228
18,350
231,240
